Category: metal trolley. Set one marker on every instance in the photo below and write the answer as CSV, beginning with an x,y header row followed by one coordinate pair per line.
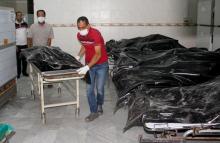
x,y
39,79
181,132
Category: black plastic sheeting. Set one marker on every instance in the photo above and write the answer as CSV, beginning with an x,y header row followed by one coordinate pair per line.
x,y
187,104
51,59
144,44
155,75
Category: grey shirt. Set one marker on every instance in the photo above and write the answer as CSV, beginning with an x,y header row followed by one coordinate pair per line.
x,y
40,34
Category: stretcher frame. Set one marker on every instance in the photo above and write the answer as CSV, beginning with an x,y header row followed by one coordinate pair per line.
x,y
39,79
168,132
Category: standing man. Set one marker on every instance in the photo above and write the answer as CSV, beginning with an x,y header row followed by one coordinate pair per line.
x,y
40,33
96,60
21,43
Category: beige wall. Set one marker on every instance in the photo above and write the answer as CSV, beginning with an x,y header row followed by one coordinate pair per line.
x,y
113,12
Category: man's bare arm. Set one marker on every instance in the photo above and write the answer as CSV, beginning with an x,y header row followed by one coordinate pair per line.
x,y
96,57
81,52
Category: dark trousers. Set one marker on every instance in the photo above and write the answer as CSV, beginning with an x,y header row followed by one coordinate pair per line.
x,y
21,61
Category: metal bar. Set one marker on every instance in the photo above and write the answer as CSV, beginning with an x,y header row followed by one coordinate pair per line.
x,y
61,79
177,139
35,79
60,104
77,94
203,138
59,72
39,84
32,80
177,126
42,99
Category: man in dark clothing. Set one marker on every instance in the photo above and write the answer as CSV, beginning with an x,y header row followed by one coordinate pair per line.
x,y
21,43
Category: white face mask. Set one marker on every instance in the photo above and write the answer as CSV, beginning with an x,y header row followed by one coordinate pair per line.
x,y
84,32
41,19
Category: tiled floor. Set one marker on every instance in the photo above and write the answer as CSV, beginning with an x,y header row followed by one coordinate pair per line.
x,y
62,126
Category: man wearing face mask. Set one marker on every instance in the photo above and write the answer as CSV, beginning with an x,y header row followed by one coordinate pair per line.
x,y
96,60
21,43
40,33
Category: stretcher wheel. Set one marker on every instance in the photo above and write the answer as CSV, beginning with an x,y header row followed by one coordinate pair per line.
x,y
59,90
43,117
32,94
77,112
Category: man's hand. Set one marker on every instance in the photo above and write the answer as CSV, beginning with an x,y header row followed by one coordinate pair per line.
x,y
83,70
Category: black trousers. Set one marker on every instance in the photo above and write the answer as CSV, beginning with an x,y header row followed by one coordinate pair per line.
x,y
21,61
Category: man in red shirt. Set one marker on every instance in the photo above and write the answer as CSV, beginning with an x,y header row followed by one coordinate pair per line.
x,y
96,60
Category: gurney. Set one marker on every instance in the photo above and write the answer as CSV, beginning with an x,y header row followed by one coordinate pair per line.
x,y
50,66
39,79
179,132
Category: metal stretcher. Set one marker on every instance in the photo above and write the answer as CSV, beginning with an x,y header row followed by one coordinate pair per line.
x,y
169,132
39,79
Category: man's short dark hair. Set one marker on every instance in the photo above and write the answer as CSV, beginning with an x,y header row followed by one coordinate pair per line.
x,y
17,12
83,19
41,10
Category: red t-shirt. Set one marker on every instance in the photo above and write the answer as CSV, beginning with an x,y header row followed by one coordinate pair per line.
x,y
92,39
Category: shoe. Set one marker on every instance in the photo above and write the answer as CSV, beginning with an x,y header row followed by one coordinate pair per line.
x,y
25,74
91,117
100,110
18,76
